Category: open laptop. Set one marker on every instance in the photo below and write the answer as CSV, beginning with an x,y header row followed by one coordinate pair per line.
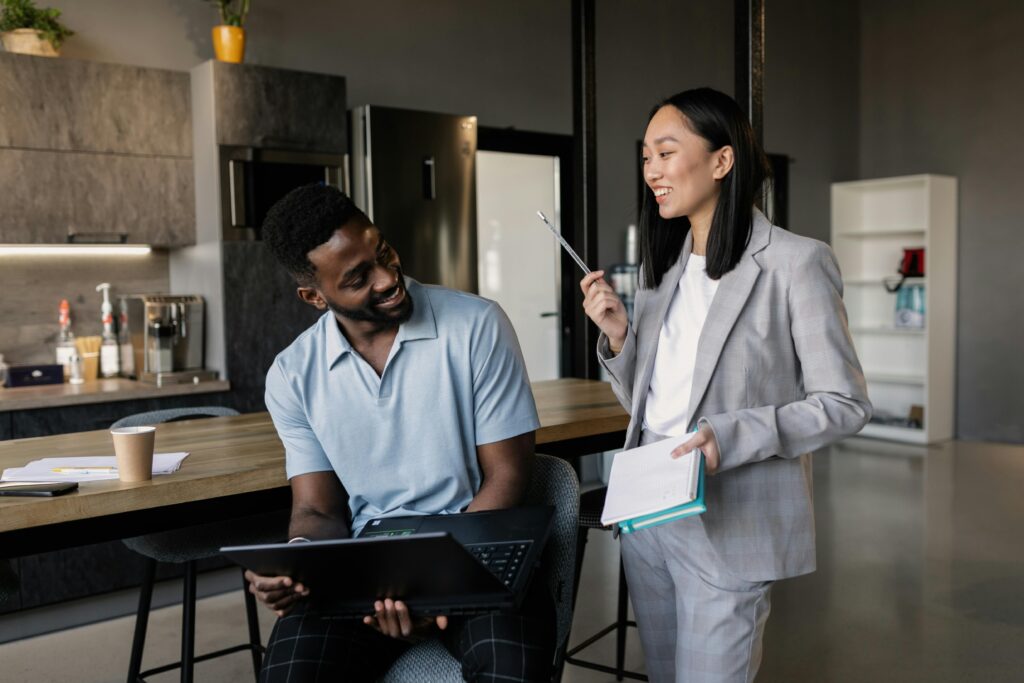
x,y
437,564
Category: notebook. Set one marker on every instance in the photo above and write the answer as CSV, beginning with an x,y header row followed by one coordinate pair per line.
x,y
648,487
465,563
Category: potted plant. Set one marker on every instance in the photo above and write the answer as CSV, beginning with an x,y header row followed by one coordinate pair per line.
x,y
29,30
229,37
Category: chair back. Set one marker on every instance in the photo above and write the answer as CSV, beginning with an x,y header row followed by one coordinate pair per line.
x,y
553,482
155,417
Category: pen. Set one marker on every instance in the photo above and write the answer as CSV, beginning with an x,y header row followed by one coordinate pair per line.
x,y
84,470
565,245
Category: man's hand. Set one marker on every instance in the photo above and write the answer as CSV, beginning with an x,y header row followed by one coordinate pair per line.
x,y
392,618
704,441
279,593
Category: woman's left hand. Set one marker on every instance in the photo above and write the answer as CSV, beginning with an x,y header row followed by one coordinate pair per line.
x,y
704,441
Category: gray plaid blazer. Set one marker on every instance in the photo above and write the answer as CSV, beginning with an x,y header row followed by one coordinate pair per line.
x,y
776,378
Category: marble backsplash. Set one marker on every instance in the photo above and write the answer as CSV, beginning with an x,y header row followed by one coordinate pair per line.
x,y
31,288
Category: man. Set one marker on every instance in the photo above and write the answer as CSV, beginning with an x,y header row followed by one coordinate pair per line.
x,y
402,399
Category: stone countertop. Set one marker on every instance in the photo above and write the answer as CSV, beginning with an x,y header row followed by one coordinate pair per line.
x,y
98,391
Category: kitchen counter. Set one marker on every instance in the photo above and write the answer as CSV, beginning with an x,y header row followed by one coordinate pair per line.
x,y
98,391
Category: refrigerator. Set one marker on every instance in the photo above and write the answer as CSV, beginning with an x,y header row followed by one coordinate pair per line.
x,y
464,218
413,173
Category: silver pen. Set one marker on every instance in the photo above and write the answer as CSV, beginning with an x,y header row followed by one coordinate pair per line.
x,y
565,245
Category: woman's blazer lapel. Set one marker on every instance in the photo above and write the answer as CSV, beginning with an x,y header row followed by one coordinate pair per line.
x,y
733,291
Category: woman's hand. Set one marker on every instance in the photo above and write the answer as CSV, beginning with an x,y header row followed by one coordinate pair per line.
x,y
704,441
604,307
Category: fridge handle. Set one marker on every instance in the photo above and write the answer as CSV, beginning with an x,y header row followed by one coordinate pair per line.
x,y
429,180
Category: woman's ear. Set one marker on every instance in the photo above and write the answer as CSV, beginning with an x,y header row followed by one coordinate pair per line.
x,y
724,160
312,297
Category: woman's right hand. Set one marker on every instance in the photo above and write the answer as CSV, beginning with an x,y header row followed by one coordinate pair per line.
x,y
604,307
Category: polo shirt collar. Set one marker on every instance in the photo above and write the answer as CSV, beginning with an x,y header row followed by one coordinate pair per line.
x,y
420,326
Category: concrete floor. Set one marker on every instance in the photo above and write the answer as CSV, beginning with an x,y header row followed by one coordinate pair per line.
x,y
920,578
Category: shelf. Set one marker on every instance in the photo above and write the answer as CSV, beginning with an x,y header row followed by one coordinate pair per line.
x,y
897,232
858,281
894,378
898,331
904,434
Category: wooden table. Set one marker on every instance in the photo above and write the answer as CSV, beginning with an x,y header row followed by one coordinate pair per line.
x,y
236,468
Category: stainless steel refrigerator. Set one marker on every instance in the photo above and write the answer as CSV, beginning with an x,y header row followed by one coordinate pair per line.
x,y
413,173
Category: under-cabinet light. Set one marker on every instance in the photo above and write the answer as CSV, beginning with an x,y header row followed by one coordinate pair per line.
x,y
74,249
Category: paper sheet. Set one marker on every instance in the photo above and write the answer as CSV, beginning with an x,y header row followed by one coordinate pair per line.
x,y
42,470
646,480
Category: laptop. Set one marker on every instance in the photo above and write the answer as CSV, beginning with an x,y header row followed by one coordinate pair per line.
x,y
466,563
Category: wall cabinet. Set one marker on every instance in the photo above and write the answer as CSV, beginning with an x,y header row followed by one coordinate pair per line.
x,y
873,221
94,150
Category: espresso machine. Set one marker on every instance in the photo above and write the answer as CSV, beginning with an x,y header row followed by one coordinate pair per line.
x,y
166,333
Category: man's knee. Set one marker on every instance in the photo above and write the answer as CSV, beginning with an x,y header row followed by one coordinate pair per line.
x,y
506,647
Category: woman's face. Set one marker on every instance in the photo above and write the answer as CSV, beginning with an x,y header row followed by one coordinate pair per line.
x,y
679,168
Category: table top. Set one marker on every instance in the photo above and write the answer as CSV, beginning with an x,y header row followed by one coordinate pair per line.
x,y
230,456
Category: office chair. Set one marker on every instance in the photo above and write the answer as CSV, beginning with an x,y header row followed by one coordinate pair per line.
x,y
591,505
553,482
187,546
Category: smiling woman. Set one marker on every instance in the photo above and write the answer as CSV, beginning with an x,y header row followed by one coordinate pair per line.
x,y
739,349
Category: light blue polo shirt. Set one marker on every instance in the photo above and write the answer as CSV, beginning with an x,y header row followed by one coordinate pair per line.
x,y
404,443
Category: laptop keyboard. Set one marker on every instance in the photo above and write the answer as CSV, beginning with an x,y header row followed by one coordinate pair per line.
x,y
504,560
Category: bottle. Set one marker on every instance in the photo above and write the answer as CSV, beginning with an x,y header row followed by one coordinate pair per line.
x,y
110,351
3,371
65,339
124,340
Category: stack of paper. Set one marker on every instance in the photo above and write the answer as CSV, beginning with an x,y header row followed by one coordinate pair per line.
x,y
85,468
647,486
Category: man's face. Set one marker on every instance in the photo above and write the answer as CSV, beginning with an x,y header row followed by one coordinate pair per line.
x,y
359,277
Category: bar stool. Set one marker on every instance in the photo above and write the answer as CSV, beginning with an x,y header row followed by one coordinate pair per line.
x,y
186,547
591,504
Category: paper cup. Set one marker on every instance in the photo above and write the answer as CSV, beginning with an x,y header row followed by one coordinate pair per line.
x,y
133,447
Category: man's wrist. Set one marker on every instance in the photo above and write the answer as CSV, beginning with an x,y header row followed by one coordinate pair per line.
x,y
299,539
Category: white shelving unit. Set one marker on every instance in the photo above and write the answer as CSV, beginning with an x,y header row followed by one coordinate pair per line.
x,y
872,222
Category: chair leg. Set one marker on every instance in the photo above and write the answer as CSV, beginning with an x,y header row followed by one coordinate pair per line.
x,y
188,623
581,545
620,644
254,628
141,620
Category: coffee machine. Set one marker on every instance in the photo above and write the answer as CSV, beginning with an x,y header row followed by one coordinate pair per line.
x,y
166,333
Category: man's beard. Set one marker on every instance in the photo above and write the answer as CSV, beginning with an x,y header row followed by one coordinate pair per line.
x,y
370,313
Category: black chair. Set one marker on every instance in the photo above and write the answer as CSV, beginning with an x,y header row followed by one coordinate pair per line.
x,y
187,546
591,504
9,583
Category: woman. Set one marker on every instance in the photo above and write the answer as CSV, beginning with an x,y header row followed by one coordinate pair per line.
x,y
739,333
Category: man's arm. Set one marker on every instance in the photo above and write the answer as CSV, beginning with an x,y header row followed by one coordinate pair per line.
x,y
505,466
319,507
319,511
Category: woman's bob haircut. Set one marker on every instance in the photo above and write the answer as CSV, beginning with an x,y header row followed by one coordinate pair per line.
x,y
717,118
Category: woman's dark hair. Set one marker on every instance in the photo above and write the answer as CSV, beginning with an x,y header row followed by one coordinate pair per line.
x,y
301,221
717,118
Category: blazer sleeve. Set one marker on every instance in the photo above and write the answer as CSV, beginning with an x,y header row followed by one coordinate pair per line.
x,y
835,402
621,367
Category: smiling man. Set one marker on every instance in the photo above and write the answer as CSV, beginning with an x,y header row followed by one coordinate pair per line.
x,y
402,399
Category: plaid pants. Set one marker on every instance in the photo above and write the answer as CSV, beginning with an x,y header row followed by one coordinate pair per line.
x,y
514,646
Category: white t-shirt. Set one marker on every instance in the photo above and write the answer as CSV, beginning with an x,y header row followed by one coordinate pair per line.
x,y
669,395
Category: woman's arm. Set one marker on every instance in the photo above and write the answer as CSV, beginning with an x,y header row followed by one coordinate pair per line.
x,y
836,401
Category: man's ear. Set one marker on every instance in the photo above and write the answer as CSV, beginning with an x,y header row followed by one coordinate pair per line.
x,y
312,297
724,160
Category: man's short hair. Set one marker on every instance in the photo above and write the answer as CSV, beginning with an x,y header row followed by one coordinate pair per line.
x,y
301,221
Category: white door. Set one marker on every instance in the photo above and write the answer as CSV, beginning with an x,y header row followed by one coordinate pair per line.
x,y
518,260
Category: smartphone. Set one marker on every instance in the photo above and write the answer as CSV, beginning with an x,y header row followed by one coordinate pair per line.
x,y
36,488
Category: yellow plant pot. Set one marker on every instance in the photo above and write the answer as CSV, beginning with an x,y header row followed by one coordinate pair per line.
x,y
229,43
27,41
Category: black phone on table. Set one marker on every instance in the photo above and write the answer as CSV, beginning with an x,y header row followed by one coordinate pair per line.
x,y
36,488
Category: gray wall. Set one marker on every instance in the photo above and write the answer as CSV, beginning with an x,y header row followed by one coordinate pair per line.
x,y
941,93
854,88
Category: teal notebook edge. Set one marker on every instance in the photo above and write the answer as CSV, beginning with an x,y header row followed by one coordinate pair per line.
x,y
694,507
